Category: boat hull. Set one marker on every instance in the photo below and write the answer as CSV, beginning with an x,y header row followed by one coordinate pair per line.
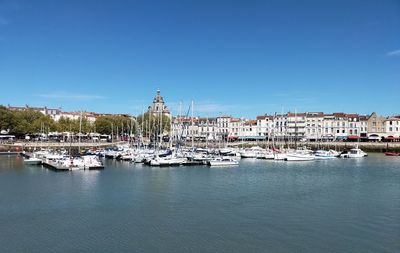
x,y
33,161
392,154
219,163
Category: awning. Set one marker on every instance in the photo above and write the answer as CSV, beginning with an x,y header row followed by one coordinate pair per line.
x,y
353,137
252,137
392,138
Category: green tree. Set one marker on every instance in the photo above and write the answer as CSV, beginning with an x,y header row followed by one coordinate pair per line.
x,y
149,123
6,118
109,124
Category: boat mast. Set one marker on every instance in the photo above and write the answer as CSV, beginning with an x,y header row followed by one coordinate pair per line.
x,y
161,130
295,128
80,132
112,134
192,128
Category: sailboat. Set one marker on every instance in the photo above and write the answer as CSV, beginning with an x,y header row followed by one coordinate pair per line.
x,y
299,154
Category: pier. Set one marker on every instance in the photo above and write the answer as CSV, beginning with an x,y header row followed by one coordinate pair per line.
x,y
55,167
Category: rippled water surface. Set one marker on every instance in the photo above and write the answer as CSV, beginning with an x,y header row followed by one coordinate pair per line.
x,y
258,206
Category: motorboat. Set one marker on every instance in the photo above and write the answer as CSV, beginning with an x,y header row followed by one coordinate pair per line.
x,y
167,161
326,154
33,161
353,153
223,161
251,152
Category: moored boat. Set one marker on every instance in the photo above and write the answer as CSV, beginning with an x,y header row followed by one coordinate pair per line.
x,y
326,154
223,161
33,161
392,154
353,153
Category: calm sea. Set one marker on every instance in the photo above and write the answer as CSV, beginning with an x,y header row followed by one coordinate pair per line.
x,y
258,206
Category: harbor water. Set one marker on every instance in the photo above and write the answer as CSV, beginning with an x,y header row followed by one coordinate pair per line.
x,y
341,205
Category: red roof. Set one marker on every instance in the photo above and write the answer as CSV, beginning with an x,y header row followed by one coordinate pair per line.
x,y
352,115
302,114
251,122
315,114
339,114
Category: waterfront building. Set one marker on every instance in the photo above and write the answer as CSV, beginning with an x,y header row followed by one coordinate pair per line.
x,y
248,130
280,126
392,128
340,124
223,127
363,123
234,128
296,125
264,125
207,129
314,129
375,127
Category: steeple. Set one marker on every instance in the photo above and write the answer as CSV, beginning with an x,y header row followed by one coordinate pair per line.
x,y
158,105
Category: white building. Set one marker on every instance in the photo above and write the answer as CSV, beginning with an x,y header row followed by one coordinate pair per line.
x,y
264,125
392,128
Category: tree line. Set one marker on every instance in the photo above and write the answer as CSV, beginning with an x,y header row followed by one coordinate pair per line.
x,y
29,121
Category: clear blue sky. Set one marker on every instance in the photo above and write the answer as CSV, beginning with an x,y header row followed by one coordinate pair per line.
x,y
243,58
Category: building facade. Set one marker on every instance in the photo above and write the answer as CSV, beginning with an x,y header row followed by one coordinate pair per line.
x,y
158,106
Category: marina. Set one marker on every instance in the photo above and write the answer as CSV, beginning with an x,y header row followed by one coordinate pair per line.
x,y
174,209
199,126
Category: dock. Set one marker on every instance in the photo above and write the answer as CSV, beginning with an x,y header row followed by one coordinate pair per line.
x,y
55,167
193,163
9,153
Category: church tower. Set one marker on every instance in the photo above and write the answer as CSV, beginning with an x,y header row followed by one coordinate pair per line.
x,y
159,106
